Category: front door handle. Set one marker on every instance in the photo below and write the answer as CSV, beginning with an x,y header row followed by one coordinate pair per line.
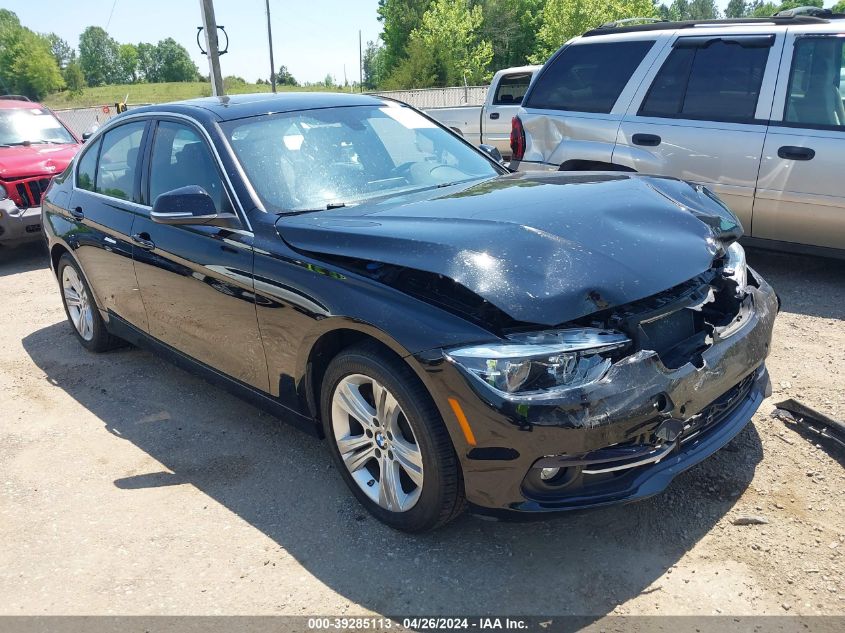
x,y
791,152
77,213
143,240
494,115
648,140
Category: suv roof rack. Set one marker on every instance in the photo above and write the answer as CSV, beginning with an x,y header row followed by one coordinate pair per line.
x,y
621,26
14,98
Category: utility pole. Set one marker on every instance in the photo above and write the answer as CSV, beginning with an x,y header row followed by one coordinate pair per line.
x,y
360,64
270,41
209,24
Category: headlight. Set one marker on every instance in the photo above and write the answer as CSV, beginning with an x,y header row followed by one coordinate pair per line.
x,y
552,360
735,266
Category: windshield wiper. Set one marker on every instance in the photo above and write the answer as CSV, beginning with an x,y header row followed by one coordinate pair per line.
x,y
328,207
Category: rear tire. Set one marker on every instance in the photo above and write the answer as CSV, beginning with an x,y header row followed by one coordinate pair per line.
x,y
378,418
81,310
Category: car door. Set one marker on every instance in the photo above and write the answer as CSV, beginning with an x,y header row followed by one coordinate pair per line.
x,y
702,115
102,207
496,118
196,280
800,191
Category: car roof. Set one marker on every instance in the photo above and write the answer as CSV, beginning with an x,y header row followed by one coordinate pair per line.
x,y
248,105
612,28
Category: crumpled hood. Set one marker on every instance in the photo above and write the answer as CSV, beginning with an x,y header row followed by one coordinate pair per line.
x,y
21,161
543,248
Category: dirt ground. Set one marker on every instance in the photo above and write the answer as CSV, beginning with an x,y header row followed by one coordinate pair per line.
x,y
128,486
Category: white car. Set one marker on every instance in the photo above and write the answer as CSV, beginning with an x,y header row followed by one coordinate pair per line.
x,y
490,124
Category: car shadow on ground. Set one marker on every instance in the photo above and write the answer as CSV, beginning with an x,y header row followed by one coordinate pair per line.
x,y
813,286
281,481
23,259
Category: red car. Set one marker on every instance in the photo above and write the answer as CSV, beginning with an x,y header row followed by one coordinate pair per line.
x,y
34,146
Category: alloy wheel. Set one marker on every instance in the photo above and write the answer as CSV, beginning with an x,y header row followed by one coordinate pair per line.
x,y
377,443
78,304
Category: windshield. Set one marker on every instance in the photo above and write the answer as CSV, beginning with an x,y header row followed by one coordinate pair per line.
x,y
316,159
24,126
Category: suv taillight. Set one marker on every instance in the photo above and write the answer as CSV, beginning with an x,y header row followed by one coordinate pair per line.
x,y
517,139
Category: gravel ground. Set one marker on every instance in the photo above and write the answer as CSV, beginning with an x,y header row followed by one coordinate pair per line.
x,y
128,486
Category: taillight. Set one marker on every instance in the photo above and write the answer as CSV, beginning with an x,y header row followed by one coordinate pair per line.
x,y
517,139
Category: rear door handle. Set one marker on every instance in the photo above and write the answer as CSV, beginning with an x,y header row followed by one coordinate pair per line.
x,y
77,213
494,115
649,140
143,240
791,152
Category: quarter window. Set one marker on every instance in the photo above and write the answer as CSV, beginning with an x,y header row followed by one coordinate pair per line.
x,y
816,82
87,170
719,81
511,89
118,165
588,77
181,158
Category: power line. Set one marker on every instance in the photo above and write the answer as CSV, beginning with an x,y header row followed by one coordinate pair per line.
x,y
111,13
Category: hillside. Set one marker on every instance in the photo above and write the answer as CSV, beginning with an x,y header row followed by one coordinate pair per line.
x,y
155,93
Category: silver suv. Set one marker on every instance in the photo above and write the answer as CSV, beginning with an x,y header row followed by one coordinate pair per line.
x,y
751,108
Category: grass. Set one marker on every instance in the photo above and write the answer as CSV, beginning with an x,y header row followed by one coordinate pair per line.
x,y
156,93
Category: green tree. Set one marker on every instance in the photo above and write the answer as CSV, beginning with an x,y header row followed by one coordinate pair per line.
x,y
74,79
285,78
453,29
564,19
511,27
399,18
27,65
148,63
423,67
175,64
61,50
328,82
839,7
127,56
737,9
98,57
373,63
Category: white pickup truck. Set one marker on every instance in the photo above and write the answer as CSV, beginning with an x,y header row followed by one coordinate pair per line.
x,y
490,124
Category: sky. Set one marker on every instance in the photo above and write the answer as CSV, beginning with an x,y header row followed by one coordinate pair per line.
x,y
310,37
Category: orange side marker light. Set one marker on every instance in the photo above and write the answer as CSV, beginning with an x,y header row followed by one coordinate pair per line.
x,y
462,420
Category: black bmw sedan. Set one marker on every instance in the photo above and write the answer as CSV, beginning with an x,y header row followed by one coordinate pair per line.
x,y
458,334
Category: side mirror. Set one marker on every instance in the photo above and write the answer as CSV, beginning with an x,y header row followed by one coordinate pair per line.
x,y
190,205
492,152
86,136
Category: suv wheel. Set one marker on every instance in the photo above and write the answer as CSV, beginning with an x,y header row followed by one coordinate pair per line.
x,y
389,441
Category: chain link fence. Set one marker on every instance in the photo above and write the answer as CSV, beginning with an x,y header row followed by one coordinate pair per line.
x,y
439,97
82,120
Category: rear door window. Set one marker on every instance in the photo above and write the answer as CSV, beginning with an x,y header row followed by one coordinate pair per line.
x,y
816,83
118,167
717,81
512,89
588,77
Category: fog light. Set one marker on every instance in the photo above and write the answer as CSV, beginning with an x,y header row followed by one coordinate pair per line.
x,y
549,473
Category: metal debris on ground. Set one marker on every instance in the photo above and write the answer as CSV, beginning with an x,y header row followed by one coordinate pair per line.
x,y
793,412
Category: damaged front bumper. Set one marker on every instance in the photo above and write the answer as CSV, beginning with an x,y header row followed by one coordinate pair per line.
x,y
622,438
19,225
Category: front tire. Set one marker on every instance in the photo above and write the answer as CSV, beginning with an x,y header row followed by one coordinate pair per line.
x,y
80,308
389,442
